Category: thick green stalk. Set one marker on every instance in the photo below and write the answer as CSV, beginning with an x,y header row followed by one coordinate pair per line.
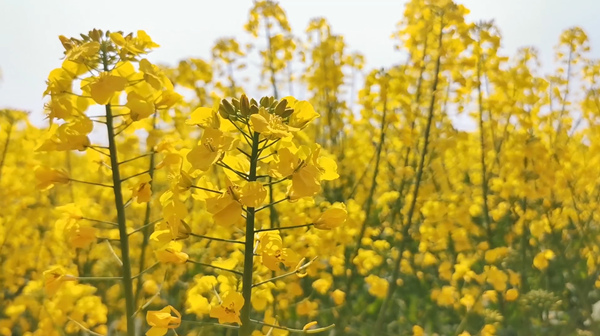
x,y
121,221
246,328
406,230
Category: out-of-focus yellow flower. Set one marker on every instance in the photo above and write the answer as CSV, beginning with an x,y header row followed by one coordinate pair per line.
x,y
338,296
496,278
54,277
333,217
418,330
48,177
171,254
228,311
162,320
511,295
205,117
307,307
378,287
142,192
488,330
541,260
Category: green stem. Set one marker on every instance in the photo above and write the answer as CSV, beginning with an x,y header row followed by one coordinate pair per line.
x,y
369,203
246,328
5,149
216,239
281,228
215,267
147,214
121,220
484,182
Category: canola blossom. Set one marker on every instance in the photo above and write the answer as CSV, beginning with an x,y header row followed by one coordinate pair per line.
x,y
200,210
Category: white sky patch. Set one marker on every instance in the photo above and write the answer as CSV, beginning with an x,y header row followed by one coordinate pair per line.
x,y
30,49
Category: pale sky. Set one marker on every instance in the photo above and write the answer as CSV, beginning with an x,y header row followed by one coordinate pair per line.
x,y
30,49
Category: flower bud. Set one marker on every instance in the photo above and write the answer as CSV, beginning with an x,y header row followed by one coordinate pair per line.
x,y
236,103
288,112
244,105
280,108
229,109
264,102
223,112
253,109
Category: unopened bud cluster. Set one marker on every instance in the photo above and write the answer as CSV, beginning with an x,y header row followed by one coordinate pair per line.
x,y
240,109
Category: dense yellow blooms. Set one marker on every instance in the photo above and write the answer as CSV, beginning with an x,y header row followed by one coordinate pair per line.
x,y
363,210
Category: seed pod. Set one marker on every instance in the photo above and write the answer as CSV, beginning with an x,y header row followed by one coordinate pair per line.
x,y
244,105
227,106
280,108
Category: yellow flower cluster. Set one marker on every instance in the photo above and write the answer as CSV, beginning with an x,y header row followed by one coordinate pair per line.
x,y
163,200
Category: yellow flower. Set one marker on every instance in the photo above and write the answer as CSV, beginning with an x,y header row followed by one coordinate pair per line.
x,y
133,45
69,136
418,330
333,217
273,254
488,330
139,107
253,194
171,254
270,125
322,285
48,177
306,169
54,277
338,296
378,287
205,117
444,297
211,149
225,208
496,278
162,320
307,308
142,192
511,294
104,87
229,310
82,236
540,261
303,113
